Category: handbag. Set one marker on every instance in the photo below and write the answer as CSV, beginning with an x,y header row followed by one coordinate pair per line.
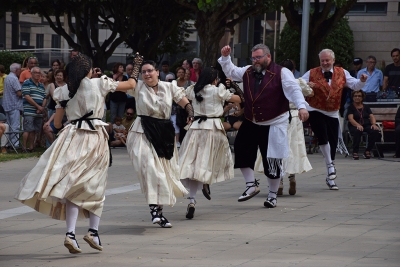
x,y
388,124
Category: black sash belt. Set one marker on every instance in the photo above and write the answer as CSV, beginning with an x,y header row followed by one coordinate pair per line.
x,y
203,118
161,134
85,118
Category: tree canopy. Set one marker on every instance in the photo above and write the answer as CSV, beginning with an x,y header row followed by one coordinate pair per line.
x,y
214,17
143,25
340,40
323,19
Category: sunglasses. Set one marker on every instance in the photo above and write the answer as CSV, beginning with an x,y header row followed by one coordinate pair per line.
x,y
129,114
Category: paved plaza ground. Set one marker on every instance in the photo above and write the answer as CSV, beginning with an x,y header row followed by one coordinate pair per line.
x,y
357,226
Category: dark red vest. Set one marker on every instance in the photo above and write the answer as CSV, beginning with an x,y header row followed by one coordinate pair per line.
x,y
270,100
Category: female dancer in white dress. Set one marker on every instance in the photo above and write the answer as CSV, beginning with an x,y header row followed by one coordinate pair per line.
x,y
151,141
297,162
205,156
69,180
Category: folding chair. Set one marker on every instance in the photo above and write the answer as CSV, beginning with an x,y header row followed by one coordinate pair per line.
x,y
13,135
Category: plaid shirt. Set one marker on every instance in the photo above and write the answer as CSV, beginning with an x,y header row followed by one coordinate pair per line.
x,y
10,99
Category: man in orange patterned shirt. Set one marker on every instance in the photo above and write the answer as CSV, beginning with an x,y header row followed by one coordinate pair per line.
x,y
327,83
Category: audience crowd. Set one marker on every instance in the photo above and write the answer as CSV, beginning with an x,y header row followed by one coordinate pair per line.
x,y
26,102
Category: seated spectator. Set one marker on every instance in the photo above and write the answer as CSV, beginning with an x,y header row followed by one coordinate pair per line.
x,y
50,131
232,112
129,118
362,120
3,129
397,133
120,132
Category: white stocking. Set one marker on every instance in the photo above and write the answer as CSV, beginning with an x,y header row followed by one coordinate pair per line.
x,y
193,187
94,222
248,175
326,151
273,187
72,211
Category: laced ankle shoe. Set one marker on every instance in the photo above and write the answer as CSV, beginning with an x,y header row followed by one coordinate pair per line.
x,y
246,196
155,217
270,202
71,244
164,223
292,184
331,171
93,239
331,184
206,191
280,189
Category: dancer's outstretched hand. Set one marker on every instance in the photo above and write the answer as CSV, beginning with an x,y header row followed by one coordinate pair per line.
x,y
226,51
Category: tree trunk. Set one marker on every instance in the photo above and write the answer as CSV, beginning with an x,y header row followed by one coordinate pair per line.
x,y
314,47
210,30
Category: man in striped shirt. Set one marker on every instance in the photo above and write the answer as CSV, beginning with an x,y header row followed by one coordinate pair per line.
x,y
34,102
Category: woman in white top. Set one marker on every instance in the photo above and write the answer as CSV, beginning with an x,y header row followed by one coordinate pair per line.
x,y
69,180
151,141
204,156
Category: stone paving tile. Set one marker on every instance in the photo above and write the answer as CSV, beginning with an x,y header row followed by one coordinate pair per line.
x,y
356,226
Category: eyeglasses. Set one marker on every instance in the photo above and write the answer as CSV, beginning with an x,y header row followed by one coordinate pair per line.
x,y
147,71
357,96
258,57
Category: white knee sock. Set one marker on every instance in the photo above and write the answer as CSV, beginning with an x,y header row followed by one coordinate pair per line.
x,y
273,187
248,175
72,211
326,151
193,186
94,222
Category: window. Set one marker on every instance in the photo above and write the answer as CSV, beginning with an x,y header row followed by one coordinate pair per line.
x,y
25,38
374,8
39,40
55,41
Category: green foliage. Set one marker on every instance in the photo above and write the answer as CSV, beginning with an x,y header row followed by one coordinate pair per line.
x,y
7,58
340,40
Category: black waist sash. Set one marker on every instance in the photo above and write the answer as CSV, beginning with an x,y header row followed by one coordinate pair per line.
x,y
161,134
85,118
203,118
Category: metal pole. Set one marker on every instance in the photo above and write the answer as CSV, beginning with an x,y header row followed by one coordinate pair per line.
x,y
264,26
304,36
275,31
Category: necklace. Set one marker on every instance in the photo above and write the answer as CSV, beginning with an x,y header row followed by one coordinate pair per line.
x,y
153,86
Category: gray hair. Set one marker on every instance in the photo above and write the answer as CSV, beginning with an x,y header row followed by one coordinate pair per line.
x,y
35,68
263,47
374,58
14,67
327,51
198,60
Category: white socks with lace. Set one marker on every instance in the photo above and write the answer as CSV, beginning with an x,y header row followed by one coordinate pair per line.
x,y
248,175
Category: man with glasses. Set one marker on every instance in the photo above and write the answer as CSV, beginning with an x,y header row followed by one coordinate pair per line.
x,y
34,102
26,74
267,89
129,118
375,76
